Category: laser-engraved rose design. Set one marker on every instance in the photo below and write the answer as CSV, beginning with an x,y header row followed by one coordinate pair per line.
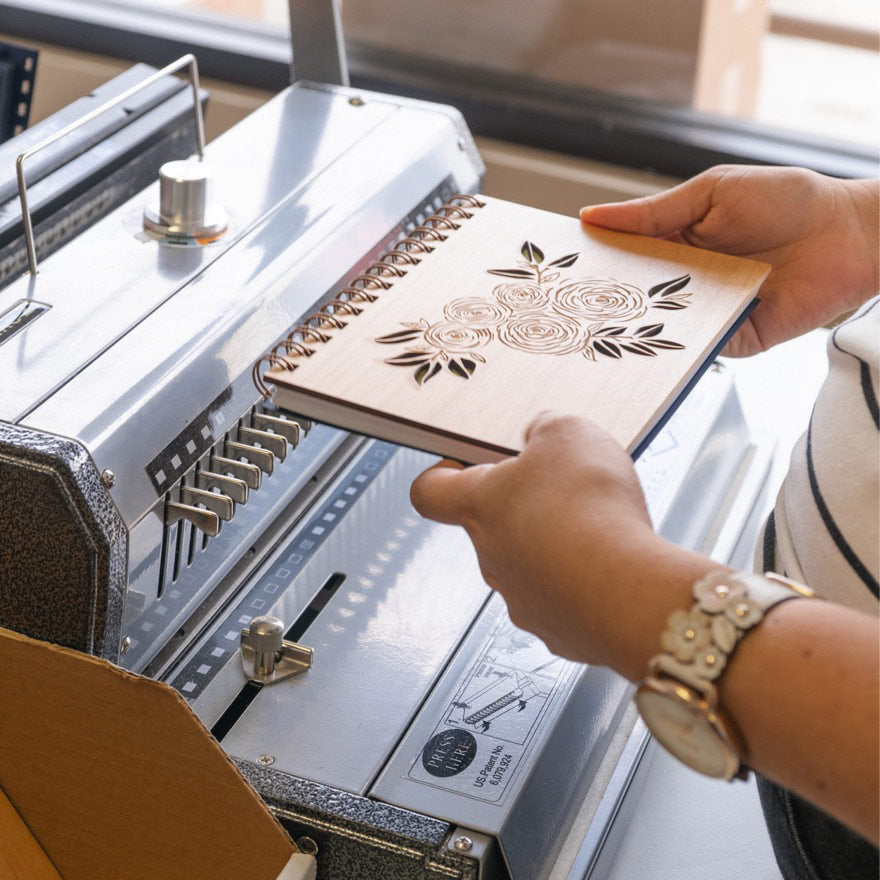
x,y
448,336
600,300
519,295
533,314
476,312
543,333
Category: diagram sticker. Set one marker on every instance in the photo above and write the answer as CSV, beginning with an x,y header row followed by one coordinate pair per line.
x,y
489,726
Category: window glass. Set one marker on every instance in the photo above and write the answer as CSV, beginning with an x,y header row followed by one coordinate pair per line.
x,y
810,65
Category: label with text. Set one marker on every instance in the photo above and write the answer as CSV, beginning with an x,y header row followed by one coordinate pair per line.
x,y
487,729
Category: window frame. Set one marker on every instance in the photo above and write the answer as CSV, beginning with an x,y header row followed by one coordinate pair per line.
x,y
668,140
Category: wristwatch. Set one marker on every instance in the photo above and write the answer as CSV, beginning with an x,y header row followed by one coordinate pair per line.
x,y
678,699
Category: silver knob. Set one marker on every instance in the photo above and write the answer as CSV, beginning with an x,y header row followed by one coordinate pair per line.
x,y
265,636
185,207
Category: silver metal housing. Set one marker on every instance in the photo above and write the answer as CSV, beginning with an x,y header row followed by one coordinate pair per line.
x,y
209,509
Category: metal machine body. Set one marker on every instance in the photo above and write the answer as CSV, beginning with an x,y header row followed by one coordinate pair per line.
x,y
428,737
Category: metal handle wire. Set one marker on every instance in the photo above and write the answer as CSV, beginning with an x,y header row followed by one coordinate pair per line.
x,y
188,61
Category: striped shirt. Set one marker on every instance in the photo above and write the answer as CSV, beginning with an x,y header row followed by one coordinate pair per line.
x,y
825,528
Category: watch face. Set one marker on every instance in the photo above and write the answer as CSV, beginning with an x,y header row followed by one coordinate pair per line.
x,y
682,728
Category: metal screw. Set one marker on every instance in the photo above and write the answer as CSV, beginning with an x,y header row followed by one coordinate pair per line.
x,y
125,645
356,102
108,478
266,760
463,844
308,846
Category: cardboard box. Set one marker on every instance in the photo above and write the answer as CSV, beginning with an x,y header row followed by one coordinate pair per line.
x,y
704,54
106,775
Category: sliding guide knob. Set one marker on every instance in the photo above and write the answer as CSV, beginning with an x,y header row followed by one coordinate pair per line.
x,y
185,207
266,656
265,636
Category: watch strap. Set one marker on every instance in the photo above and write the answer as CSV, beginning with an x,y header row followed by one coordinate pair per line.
x,y
698,643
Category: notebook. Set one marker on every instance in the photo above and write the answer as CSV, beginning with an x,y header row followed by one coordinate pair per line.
x,y
490,312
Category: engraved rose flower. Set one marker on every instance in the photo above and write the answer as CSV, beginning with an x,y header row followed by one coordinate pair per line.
x,y
601,299
521,295
543,333
476,312
451,336
528,313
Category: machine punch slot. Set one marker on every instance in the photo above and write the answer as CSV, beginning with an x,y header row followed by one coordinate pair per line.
x,y
167,543
191,544
321,598
235,709
178,551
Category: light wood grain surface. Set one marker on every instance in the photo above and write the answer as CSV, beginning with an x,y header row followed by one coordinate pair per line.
x,y
493,406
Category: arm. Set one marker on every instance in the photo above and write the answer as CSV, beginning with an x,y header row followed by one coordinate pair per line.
x,y
818,233
563,533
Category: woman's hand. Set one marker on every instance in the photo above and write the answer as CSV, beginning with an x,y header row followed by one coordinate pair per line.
x,y
818,233
563,533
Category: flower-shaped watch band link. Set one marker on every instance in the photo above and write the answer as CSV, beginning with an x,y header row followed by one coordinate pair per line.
x,y
698,643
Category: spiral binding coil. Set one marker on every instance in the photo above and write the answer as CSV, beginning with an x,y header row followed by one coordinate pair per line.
x,y
366,287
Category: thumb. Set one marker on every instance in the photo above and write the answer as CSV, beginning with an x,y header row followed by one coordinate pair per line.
x,y
443,491
657,215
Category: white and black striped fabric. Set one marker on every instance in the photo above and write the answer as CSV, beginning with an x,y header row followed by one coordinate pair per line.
x,y
825,528
825,532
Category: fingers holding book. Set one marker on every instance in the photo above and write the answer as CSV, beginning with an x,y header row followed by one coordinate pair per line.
x,y
556,530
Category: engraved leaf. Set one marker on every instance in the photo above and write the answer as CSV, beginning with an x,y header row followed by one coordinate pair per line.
x,y
469,365
669,286
421,372
478,357
408,359
606,347
532,252
588,353
399,336
456,368
433,372
669,306
649,330
564,262
609,331
550,276
663,343
638,348
511,273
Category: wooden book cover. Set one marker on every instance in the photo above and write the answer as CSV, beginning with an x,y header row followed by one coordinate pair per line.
x,y
491,312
